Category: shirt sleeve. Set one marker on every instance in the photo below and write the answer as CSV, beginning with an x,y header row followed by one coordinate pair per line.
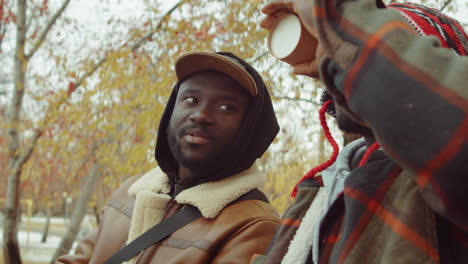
x,y
412,93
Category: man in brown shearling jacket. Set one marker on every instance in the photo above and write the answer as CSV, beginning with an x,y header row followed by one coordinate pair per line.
x,y
218,121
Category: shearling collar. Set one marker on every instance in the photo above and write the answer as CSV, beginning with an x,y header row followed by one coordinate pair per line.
x,y
210,198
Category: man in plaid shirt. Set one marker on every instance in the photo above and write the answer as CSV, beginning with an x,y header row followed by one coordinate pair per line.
x,y
398,75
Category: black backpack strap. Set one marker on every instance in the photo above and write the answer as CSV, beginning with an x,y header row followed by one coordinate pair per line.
x,y
157,233
164,229
254,194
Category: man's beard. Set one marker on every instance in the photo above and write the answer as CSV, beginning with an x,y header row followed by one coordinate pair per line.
x,y
197,165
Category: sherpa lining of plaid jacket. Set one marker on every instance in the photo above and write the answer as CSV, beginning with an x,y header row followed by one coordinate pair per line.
x,y
412,206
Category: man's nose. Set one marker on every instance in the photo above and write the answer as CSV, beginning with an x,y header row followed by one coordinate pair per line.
x,y
201,115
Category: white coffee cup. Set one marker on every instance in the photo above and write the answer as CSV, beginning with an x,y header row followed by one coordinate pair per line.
x,y
289,41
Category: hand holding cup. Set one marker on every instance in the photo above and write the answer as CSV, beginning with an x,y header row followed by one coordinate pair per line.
x,y
292,37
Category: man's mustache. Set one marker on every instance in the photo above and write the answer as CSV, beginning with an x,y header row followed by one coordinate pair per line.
x,y
183,131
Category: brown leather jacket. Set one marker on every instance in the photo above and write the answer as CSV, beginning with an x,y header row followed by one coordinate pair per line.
x,y
227,232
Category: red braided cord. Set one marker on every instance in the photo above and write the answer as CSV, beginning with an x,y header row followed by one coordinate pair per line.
x,y
330,139
368,153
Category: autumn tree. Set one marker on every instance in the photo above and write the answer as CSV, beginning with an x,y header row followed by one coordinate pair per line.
x,y
17,155
30,36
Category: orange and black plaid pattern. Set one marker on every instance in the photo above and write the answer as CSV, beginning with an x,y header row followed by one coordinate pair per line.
x,y
379,216
419,114
408,205
413,94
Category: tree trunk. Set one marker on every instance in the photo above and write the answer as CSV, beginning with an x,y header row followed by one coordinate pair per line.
x,y
66,209
79,212
45,232
96,214
11,250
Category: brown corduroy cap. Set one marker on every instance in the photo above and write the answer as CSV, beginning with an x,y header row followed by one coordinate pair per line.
x,y
198,61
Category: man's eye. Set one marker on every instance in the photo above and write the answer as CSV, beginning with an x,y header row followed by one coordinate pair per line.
x,y
226,107
191,100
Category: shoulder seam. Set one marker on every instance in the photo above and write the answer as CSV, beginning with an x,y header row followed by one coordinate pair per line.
x,y
120,207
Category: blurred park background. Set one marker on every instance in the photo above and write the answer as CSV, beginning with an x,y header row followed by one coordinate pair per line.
x,y
82,87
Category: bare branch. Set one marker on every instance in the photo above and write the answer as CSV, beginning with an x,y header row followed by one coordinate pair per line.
x,y
2,26
7,54
43,35
10,81
446,3
90,155
29,23
148,36
296,99
5,81
27,153
2,35
259,57
134,47
8,5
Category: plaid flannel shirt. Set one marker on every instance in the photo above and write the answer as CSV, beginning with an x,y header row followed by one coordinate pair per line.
x,y
410,206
